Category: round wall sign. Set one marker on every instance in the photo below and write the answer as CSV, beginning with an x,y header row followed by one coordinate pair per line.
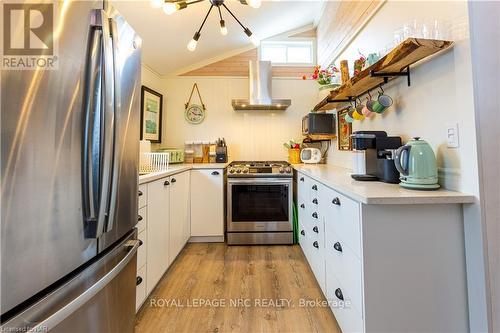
x,y
194,114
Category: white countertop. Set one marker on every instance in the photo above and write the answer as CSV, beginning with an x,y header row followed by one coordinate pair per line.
x,y
340,180
178,168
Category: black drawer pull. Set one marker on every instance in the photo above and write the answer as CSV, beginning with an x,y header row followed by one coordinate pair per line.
x,y
139,193
314,187
173,180
302,206
140,242
301,179
215,173
337,247
166,183
302,232
138,280
315,215
336,201
315,201
316,245
339,294
315,229
139,218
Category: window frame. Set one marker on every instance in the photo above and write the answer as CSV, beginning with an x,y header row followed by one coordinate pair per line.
x,y
288,43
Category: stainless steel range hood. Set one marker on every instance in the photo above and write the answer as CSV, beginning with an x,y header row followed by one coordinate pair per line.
x,y
260,75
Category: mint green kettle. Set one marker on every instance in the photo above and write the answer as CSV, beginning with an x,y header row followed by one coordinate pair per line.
x,y
417,165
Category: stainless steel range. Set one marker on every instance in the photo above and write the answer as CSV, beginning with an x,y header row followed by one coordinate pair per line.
x,y
259,203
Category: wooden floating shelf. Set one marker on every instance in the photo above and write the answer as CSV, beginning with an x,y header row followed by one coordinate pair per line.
x,y
395,63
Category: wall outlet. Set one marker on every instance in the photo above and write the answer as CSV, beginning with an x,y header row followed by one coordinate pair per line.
x,y
452,135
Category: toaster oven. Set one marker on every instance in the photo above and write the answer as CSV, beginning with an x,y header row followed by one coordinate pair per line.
x,y
318,124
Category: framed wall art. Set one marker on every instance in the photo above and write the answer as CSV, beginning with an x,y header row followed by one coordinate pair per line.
x,y
151,114
344,131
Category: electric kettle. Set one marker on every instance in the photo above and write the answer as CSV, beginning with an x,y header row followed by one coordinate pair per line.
x,y
417,165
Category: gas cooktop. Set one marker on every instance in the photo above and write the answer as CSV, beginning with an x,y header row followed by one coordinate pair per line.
x,y
250,169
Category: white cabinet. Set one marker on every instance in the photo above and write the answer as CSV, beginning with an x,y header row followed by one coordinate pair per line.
x,y
385,267
158,231
207,202
179,213
141,226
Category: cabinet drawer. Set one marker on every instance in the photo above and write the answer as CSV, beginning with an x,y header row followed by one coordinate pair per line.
x,y
314,189
315,224
141,220
140,288
342,217
342,264
142,251
143,195
303,186
316,259
348,318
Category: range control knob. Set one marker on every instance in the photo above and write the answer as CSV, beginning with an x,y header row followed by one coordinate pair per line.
x,y
231,170
288,169
238,170
245,170
282,170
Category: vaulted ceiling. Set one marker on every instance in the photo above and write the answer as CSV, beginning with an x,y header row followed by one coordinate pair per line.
x,y
165,36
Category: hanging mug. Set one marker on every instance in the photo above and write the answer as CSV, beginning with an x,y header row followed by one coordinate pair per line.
x,y
367,109
382,103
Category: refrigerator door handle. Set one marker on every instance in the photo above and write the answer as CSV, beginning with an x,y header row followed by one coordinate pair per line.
x,y
75,304
117,142
109,122
91,132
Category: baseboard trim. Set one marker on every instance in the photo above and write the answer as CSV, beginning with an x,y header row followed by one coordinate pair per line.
x,y
206,239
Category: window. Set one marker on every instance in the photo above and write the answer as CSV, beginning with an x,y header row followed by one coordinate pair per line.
x,y
288,53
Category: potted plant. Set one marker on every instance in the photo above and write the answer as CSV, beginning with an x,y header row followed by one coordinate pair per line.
x,y
327,78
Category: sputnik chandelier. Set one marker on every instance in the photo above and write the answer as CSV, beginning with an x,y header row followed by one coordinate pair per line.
x,y
171,6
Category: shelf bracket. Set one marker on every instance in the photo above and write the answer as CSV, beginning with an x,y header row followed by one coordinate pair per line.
x,y
387,75
342,100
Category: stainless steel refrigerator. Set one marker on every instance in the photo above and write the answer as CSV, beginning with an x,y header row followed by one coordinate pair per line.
x,y
69,157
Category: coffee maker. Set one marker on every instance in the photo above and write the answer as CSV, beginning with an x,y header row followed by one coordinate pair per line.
x,y
374,156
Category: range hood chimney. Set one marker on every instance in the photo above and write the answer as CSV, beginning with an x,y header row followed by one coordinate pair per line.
x,y
260,76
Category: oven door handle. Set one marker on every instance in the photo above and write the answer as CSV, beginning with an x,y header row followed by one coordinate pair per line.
x,y
259,181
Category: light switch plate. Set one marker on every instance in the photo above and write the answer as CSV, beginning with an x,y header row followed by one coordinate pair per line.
x,y
452,135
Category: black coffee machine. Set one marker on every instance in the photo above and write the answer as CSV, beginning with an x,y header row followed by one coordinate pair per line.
x,y
378,150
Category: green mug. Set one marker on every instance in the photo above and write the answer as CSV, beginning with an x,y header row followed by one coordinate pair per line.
x,y
382,103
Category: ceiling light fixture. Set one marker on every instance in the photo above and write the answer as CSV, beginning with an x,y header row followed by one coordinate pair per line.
x,y
171,6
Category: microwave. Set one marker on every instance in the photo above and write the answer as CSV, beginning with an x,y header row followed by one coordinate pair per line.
x,y
318,124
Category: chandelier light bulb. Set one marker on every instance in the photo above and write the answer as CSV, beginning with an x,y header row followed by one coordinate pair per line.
x,y
156,3
254,3
223,28
169,8
192,45
255,41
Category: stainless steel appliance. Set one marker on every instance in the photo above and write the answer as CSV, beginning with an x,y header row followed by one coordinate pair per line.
x,y
259,206
70,146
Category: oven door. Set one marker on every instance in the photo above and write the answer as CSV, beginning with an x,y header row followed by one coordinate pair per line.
x,y
259,204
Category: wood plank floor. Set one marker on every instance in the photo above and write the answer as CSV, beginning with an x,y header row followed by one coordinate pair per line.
x,y
253,276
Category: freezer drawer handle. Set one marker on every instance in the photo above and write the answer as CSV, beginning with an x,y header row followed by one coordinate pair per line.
x,y
138,281
215,173
338,293
140,193
337,247
75,304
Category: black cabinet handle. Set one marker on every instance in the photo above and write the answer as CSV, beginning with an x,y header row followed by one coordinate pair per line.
x,y
336,201
140,242
173,180
339,294
139,193
337,247
315,244
315,229
138,280
301,179
302,232
215,173
315,215
315,201
139,218
314,187
166,183
302,206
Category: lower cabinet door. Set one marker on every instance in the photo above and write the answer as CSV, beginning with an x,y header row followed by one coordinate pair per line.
x,y
317,260
348,318
179,213
140,288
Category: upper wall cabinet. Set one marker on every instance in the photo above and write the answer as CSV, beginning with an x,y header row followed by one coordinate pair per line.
x,y
340,21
